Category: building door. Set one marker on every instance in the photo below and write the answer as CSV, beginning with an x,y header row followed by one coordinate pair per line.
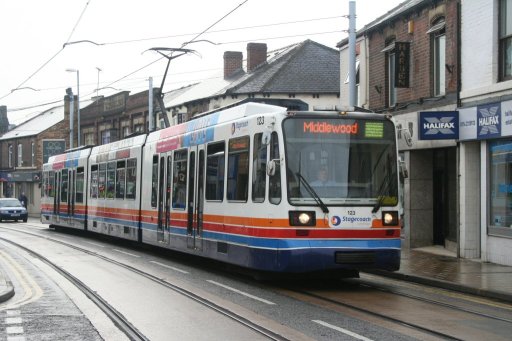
x,y
445,196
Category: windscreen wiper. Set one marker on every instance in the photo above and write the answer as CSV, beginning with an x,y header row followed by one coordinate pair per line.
x,y
312,192
380,193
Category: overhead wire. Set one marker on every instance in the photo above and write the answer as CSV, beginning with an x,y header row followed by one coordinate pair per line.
x,y
194,39
55,55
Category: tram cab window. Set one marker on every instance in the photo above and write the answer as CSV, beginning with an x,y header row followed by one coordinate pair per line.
x,y
79,186
274,189
238,169
179,180
131,178
94,181
215,165
120,179
259,161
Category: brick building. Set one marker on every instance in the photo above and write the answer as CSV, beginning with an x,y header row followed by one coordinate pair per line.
x,y
409,67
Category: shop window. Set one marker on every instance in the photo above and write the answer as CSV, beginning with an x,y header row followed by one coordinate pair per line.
x,y
500,155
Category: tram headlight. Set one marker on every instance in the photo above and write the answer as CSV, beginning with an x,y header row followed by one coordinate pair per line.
x,y
389,218
302,218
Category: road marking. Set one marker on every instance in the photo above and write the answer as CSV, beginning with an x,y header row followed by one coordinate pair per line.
x,y
14,330
32,291
342,330
169,267
13,320
126,253
15,338
96,244
241,292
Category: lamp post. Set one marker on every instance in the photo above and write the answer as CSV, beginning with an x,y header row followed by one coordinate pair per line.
x,y
77,100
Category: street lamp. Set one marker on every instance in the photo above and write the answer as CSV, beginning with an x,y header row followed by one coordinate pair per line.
x,y
77,100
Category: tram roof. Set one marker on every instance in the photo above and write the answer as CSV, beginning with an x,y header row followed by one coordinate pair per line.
x,y
215,117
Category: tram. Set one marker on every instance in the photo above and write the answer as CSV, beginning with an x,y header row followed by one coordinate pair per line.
x,y
253,185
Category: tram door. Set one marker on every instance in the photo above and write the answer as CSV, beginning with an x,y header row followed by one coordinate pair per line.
x,y
71,192
56,196
164,196
195,203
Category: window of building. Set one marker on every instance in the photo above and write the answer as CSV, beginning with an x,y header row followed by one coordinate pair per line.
x,y
33,154
391,72
505,34
10,156
238,169
357,81
500,183
438,41
20,155
89,138
105,137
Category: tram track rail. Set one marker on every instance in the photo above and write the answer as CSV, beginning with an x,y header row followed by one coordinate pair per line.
x,y
124,325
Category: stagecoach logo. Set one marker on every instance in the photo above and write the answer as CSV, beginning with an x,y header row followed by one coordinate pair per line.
x,y
439,125
238,126
488,118
335,220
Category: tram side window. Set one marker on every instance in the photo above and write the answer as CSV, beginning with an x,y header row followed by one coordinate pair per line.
x,y
120,179
259,161
102,176
44,192
275,180
179,180
64,186
215,164
51,184
79,186
94,181
131,178
154,181
238,169
111,179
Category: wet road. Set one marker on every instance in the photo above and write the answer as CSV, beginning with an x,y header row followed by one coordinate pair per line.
x,y
369,308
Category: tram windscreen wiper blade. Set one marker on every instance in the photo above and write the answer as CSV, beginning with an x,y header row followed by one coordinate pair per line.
x,y
312,192
380,193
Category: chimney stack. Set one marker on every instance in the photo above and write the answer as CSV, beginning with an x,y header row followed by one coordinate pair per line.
x,y
232,63
4,120
256,55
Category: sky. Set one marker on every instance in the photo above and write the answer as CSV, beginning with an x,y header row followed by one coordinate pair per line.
x,y
109,42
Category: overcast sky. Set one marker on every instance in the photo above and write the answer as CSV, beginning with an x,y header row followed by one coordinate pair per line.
x,y
34,33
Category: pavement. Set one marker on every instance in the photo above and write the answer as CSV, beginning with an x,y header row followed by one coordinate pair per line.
x,y
437,267
432,266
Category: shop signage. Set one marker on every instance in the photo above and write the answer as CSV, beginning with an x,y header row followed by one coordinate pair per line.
x,y
488,120
438,125
402,52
